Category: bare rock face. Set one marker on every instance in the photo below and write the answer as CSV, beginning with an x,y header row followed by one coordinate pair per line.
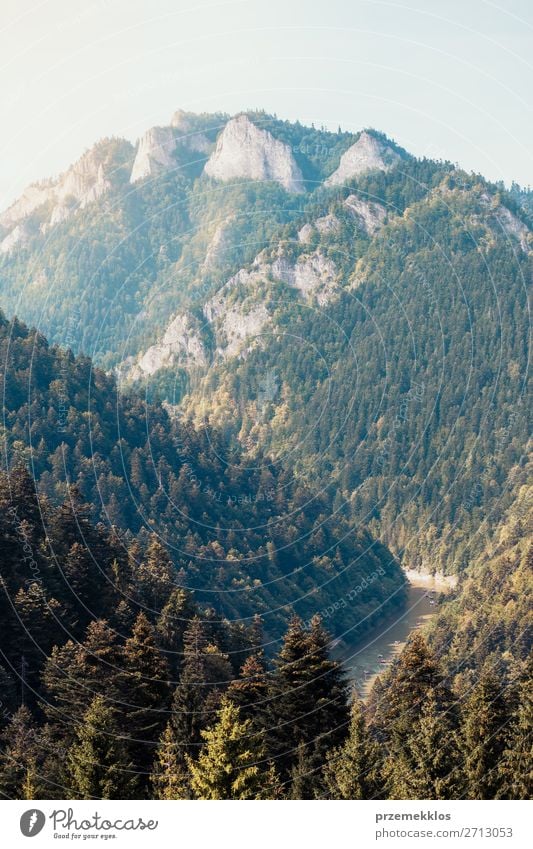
x,y
315,275
328,225
154,153
187,135
236,319
55,200
31,199
371,215
18,236
367,154
181,344
244,151
514,228
219,244
306,233
240,324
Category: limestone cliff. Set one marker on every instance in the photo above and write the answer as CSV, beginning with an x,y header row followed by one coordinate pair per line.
x,y
154,153
51,201
246,152
367,154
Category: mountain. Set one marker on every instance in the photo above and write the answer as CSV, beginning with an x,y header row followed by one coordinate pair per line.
x,y
323,297
281,361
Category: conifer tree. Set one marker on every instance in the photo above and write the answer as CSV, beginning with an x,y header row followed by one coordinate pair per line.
x,y
145,682
415,673
97,765
304,783
307,697
172,623
19,755
484,736
155,576
189,702
249,692
352,770
74,674
426,763
516,766
231,764
170,778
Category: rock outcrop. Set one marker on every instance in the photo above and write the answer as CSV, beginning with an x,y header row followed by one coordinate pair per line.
x,y
51,201
154,153
367,154
236,318
32,198
18,236
186,133
371,215
182,344
244,151
219,244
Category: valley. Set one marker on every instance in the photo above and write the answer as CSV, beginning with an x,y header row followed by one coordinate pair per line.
x,y
365,660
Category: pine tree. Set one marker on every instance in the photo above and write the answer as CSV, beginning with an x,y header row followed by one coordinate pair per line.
x,y
230,764
484,736
97,764
170,778
352,770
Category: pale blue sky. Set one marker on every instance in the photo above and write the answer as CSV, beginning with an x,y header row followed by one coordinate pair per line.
x,y
445,79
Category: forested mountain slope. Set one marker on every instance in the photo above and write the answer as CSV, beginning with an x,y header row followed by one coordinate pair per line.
x,y
247,536
320,297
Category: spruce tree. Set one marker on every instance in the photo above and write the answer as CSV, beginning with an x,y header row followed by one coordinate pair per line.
x,y
189,702
352,770
172,623
426,763
231,764
484,737
249,692
170,777
97,765
145,683
19,755
155,577
516,765
307,697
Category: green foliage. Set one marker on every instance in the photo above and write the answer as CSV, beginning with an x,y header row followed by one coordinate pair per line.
x,y
230,765
352,771
97,763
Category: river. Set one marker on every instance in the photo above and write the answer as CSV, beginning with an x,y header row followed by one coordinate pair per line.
x,y
365,661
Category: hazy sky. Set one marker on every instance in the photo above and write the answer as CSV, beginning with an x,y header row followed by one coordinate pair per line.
x,y
446,79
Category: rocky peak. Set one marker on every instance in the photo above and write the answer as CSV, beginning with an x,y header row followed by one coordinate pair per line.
x,y
54,200
367,154
154,153
244,151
